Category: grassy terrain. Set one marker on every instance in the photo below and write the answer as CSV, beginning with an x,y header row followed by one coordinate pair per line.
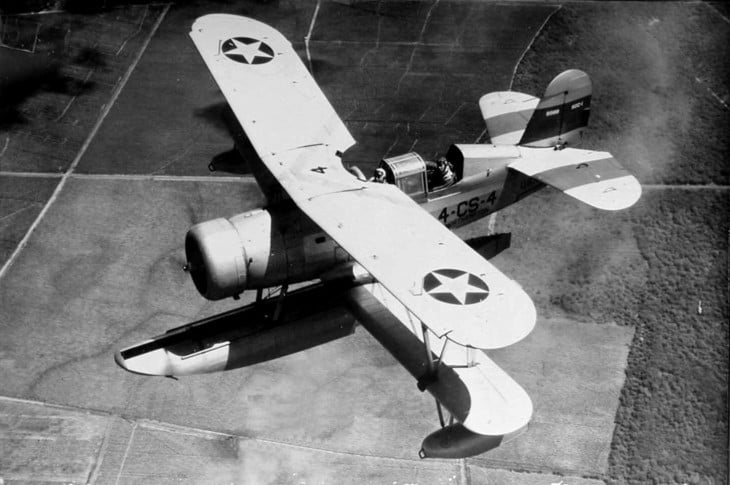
x,y
660,78
654,67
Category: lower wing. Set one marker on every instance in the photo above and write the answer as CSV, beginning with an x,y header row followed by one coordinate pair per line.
x,y
488,405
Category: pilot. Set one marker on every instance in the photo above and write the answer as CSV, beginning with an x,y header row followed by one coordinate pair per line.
x,y
446,172
379,176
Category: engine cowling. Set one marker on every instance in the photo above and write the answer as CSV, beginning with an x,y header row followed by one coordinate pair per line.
x,y
226,256
258,249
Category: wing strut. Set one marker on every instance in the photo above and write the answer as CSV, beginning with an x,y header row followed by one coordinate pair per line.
x,y
432,373
280,302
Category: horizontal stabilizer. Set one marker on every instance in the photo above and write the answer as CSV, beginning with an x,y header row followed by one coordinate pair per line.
x,y
595,178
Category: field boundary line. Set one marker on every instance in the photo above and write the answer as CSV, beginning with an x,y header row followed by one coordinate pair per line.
x,y
126,453
165,178
309,35
105,111
49,175
685,186
717,11
713,93
167,427
529,46
492,221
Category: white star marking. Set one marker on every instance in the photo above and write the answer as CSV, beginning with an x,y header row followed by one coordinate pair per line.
x,y
459,286
248,51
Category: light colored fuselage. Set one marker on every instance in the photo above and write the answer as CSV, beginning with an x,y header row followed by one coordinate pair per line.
x,y
299,250
479,195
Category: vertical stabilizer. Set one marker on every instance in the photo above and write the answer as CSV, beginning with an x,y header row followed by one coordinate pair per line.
x,y
562,113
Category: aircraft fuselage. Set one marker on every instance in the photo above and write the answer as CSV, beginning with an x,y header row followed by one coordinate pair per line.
x,y
279,245
479,195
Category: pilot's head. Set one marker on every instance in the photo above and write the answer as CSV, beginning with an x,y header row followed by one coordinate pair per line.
x,y
379,173
442,161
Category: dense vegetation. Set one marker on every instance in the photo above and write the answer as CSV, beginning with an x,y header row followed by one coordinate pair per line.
x,y
660,106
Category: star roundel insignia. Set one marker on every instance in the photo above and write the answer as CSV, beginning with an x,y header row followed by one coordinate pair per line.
x,y
247,50
455,286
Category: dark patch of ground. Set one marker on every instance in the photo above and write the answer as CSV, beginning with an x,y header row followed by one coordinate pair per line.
x,y
659,73
169,118
60,88
654,82
403,76
672,422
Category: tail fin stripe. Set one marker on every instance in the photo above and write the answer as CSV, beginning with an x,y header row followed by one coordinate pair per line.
x,y
547,122
508,122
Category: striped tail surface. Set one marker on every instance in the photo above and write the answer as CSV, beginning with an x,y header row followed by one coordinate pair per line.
x,y
558,118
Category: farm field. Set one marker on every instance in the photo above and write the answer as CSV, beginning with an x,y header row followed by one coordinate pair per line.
x,y
660,76
627,366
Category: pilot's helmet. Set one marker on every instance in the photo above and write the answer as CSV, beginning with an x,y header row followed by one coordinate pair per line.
x,y
379,173
442,161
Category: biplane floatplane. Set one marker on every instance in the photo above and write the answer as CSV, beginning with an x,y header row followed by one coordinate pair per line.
x,y
380,252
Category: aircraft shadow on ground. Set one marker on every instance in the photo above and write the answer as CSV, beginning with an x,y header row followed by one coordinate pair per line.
x,y
221,117
309,317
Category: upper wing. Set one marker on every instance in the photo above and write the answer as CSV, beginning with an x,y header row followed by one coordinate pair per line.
x,y
268,87
443,282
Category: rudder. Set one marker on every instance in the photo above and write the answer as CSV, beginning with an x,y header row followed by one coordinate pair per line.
x,y
562,113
